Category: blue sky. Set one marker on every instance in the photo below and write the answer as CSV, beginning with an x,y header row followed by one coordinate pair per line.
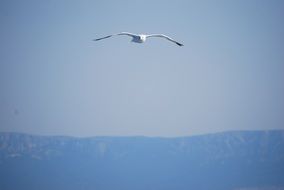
x,y
54,80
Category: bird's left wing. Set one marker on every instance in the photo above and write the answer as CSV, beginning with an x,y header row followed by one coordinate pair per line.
x,y
164,36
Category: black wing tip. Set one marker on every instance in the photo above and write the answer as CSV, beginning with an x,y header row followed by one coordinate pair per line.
x,y
179,44
102,38
96,39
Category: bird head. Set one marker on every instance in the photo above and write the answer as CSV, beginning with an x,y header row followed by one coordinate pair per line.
x,y
143,37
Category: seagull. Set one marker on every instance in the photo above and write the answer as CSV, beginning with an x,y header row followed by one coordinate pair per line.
x,y
140,38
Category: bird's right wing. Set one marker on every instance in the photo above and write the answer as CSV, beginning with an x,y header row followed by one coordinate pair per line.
x,y
102,38
121,33
127,34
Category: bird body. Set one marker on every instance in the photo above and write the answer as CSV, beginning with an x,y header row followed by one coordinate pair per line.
x,y
141,38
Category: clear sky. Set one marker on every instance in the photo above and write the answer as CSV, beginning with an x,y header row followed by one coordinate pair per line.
x,y
54,80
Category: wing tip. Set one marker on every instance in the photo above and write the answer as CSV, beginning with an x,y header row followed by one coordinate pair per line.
x,y
179,44
97,39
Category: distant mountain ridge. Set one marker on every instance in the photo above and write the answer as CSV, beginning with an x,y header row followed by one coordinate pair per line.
x,y
228,160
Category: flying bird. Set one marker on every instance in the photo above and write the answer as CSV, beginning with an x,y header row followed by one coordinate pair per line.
x,y
140,38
